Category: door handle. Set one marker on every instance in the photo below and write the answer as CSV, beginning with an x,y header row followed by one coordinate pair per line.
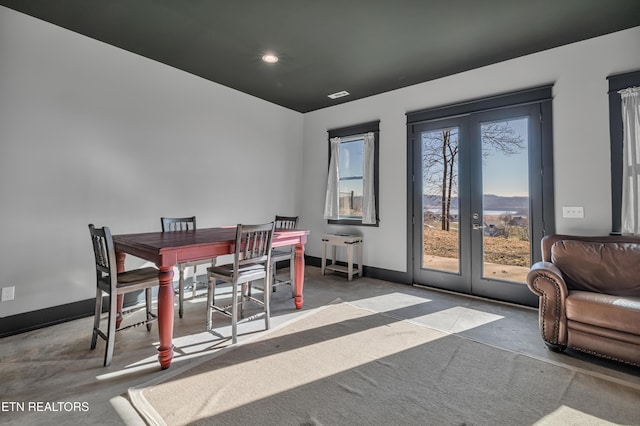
x,y
476,216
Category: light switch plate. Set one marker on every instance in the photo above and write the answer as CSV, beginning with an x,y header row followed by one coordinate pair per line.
x,y
8,293
576,212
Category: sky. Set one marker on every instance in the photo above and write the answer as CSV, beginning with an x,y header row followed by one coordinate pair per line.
x,y
508,175
351,165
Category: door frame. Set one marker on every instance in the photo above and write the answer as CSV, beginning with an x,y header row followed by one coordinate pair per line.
x,y
543,214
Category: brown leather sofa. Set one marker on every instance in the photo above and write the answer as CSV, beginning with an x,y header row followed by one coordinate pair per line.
x,y
589,289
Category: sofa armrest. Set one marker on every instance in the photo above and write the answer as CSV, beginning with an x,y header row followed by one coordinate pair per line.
x,y
545,280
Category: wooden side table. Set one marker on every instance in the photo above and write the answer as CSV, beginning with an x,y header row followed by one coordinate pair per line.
x,y
351,242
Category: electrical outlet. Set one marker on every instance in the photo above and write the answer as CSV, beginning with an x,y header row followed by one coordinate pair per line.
x,y
8,293
573,212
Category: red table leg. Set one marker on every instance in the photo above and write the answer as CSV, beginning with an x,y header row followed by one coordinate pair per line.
x,y
299,278
165,316
120,257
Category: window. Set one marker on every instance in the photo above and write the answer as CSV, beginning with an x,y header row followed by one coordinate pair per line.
x,y
352,184
616,83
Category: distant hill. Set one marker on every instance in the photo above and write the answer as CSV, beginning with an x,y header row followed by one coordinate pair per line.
x,y
435,201
491,202
496,202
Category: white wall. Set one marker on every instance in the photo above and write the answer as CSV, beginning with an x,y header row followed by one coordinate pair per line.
x,y
580,137
90,133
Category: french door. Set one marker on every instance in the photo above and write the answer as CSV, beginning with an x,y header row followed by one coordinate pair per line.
x,y
478,200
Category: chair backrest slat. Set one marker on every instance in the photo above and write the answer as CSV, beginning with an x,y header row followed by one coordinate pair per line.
x,y
253,243
100,252
104,254
178,223
286,222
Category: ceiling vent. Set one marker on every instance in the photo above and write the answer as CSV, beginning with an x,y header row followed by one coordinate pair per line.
x,y
339,94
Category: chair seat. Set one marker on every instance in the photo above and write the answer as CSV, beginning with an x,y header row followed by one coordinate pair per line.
x,y
245,273
137,276
196,263
279,255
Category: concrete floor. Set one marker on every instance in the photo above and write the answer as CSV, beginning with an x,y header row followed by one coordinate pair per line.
x,y
60,381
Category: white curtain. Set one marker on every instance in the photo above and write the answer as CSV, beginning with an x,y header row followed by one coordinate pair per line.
x,y
332,199
631,160
368,195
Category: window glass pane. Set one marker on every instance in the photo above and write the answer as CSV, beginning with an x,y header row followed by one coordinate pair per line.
x,y
351,158
506,249
350,198
440,220
351,183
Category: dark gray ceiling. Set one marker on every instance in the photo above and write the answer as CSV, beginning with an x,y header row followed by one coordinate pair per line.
x,y
365,47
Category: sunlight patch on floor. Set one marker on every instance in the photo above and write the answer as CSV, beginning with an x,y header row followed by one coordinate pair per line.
x,y
457,319
390,301
569,416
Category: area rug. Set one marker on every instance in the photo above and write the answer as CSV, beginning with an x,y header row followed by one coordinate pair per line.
x,y
342,365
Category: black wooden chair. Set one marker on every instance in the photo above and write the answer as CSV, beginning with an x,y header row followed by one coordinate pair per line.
x,y
114,284
173,224
251,261
281,254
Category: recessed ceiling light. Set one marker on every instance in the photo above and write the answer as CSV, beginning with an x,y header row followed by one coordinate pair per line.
x,y
339,94
270,59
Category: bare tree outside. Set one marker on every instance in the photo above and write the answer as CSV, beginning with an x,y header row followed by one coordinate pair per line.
x,y
440,169
500,136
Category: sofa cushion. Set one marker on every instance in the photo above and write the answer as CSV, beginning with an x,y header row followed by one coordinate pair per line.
x,y
605,311
611,268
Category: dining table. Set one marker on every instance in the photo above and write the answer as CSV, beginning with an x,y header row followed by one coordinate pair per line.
x,y
168,249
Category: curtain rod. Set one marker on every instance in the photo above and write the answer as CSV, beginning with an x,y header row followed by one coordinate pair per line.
x,y
629,90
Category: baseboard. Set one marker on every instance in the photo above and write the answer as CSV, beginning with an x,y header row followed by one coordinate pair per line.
x,y
367,271
34,320
46,317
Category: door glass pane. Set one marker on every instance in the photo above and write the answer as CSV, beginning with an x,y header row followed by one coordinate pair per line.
x,y
440,236
505,199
